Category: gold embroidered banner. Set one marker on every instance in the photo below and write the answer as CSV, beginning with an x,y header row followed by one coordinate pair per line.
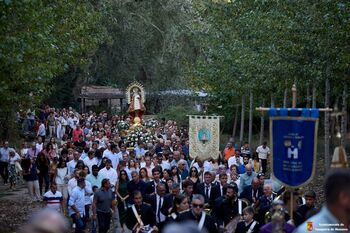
x,y
204,133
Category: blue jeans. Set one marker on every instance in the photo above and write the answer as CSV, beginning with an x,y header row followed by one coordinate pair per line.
x,y
93,226
79,223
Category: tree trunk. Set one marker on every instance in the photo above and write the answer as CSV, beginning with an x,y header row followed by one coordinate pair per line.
x,y
285,98
272,102
235,124
242,121
308,99
314,95
261,136
250,133
327,158
343,119
334,123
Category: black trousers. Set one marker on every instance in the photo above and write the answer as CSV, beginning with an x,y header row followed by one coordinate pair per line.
x,y
43,178
4,171
104,221
264,165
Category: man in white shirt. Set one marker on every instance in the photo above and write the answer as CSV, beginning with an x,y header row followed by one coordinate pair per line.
x,y
140,148
53,199
76,205
90,160
42,131
72,183
108,150
71,164
235,160
39,145
162,162
113,156
72,120
94,178
122,151
109,173
263,152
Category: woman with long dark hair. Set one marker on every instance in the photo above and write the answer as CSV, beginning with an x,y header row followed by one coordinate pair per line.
x,y
49,152
175,174
42,164
166,175
144,175
194,177
122,196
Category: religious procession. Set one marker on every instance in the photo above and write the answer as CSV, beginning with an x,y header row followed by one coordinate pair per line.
x,y
183,116
127,174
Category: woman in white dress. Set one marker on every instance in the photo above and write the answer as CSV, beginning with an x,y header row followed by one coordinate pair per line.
x,y
61,179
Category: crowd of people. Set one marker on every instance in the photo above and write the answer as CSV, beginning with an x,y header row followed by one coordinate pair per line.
x,y
81,166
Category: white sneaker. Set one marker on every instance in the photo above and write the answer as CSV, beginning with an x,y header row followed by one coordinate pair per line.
x,y
73,226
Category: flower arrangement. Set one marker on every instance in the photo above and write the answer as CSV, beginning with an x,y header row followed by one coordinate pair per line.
x,y
151,123
139,134
123,125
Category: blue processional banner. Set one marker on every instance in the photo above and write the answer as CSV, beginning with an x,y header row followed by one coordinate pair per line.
x,y
294,145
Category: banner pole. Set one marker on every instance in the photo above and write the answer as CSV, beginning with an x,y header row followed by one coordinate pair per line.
x,y
294,104
294,92
291,204
262,109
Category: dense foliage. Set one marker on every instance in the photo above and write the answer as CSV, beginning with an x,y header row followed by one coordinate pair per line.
x,y
38,41
224,48
265,46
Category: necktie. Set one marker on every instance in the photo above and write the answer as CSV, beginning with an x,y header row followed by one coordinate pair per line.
x,y
207,191
159,206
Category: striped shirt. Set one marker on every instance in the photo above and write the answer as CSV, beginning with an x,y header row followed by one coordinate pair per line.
x,y
53,200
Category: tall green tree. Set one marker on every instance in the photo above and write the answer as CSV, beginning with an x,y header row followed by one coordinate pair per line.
x,y
267,45
149,41
38,41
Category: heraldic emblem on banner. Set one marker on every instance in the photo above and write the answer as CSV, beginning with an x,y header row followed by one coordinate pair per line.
x,y
204,134
294,144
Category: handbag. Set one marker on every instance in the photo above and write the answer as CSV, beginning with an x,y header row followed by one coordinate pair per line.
x,y
18,167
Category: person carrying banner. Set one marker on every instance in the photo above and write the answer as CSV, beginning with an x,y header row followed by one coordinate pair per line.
x,y
230,207
140,216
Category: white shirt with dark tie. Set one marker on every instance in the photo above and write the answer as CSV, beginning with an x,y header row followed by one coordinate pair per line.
x,y
207,187
159,216
221,190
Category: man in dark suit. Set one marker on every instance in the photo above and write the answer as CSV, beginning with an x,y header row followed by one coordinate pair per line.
x,y
161,204
223,183
135,184
208,190
230,207
147,217
265,202
252,192
151,187
197,215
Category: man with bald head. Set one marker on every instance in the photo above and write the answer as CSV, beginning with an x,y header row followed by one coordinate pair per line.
x,y
252,192
247,177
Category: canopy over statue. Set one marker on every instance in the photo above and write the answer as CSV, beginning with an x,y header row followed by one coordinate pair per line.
x,y
135,94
